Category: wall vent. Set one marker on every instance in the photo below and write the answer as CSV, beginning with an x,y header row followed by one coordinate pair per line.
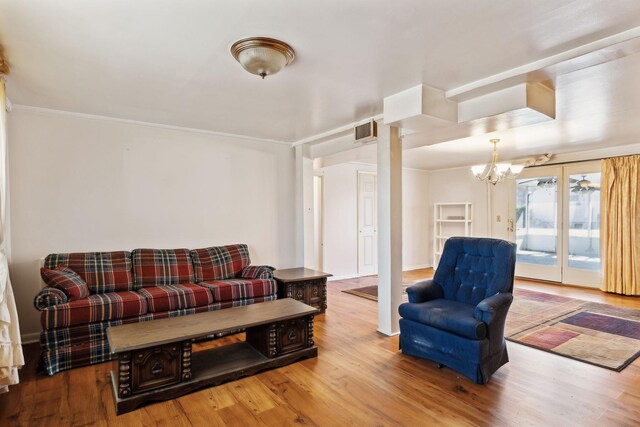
x,y
366,132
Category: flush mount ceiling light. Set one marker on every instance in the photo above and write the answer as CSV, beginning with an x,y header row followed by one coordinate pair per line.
x,y
261,55
495,172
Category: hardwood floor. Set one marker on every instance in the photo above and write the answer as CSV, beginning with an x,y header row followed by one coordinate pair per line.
x,y
359,379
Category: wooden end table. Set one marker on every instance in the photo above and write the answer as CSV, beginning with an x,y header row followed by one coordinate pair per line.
x,y
303,284
155,361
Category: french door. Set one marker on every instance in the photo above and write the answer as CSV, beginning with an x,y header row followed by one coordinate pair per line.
x,y
556,224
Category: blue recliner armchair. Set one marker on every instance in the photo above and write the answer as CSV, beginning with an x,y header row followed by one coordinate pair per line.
x,y
457,318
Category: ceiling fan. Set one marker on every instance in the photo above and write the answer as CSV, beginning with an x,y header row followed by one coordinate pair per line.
x,y
584,185
577,185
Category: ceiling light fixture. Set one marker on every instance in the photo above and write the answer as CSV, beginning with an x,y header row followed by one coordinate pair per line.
x,y
495,172
261,55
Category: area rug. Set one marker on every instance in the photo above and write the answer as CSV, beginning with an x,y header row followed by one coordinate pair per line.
x,y
599,334
371,292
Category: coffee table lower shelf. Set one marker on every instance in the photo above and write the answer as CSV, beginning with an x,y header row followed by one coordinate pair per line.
x,y
212,367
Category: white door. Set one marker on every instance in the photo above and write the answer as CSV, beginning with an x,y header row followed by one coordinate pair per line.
x,y
556,223
367,223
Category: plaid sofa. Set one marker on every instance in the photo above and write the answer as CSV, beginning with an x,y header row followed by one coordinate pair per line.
x,y
145,284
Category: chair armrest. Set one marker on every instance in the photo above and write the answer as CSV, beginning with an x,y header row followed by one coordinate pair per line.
x,y
424,291
493,307
48,297
257,272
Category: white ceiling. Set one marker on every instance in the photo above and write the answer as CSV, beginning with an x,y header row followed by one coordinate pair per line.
x,y
168,62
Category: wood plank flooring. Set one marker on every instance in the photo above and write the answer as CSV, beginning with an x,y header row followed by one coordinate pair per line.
x,y
359,379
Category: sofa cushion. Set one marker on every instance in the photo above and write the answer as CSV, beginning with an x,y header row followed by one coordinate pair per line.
x,y
236,289
175,297
219,262
448,315
95,308
161,267
102,271
67,281
257,272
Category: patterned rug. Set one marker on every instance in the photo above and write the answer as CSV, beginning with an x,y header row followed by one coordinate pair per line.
x,y
599,334
371,292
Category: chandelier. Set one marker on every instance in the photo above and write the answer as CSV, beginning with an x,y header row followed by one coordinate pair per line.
x,y
495,172
261,55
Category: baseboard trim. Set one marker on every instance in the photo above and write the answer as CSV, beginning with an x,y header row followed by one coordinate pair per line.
x,y
343,277
416,267
30,337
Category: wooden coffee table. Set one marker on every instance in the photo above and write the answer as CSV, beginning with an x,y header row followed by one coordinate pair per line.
x,y
155,361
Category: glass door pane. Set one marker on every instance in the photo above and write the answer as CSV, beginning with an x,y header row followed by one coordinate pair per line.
x,y
536,220
584,222
581,234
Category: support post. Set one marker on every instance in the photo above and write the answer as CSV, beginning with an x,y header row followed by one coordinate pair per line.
x,y
389,229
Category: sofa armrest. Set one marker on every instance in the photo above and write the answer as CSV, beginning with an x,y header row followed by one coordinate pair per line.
x,y
48,297
493,307
424,291
257,272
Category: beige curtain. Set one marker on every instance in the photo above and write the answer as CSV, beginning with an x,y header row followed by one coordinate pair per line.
x,y
11,357
621,224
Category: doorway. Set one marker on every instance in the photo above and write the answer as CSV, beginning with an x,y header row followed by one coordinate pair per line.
x,y
367,223
556,224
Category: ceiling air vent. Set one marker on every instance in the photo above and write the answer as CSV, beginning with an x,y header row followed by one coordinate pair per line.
x,y
366,132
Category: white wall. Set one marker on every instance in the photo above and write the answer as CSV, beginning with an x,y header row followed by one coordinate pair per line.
x,y
340,221
81,184
459,185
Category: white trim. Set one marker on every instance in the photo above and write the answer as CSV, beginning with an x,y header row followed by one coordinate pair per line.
x,y
20,107
30,337
343,277
546,62
335,132
595,154
374,165
416,267
389,334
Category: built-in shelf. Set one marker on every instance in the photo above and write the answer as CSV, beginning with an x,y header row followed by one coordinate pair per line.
x,y
450,219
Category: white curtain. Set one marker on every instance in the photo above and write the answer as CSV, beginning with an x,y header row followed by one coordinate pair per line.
x,y
11,357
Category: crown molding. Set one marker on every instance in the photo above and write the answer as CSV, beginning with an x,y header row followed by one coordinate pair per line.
x,y
85,116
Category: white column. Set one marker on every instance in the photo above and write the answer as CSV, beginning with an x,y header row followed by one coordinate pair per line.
x,y
305,238
389,229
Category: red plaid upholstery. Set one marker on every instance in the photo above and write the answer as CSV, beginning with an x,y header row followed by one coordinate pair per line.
x,y
67,281
86,353
175,297
95,308
48,297
102,271
219,262
161,267
237,289
257,272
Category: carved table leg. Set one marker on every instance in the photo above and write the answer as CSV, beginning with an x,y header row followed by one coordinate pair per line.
x,y
124,374
272,349
310,331
186,360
